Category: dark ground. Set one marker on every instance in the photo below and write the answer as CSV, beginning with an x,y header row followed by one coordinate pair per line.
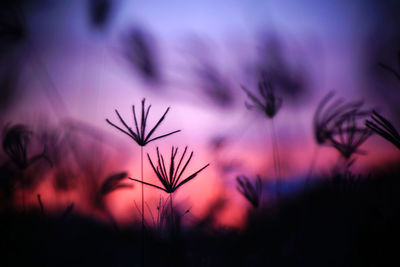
x,y
339,222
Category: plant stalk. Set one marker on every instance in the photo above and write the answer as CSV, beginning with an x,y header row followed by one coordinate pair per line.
x,y
276,158
141,177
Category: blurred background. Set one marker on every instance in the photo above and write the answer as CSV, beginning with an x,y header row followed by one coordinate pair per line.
x,y
65,66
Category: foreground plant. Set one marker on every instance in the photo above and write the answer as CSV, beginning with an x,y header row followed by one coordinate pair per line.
x,y
384,128
269,104
142,138
350,136
327,115
171,178
328,121
251,192
16,141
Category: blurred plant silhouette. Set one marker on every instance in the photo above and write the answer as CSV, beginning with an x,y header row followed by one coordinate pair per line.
x,y
214,85
13,30
288,74
349,136
170,178
209,77
100,13
109,185
58,144
16,140
334,124
13,33
269,104
139,49
384,128
327,116
251,192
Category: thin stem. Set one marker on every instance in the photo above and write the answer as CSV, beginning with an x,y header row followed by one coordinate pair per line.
x,y
276,157
141,177
172,212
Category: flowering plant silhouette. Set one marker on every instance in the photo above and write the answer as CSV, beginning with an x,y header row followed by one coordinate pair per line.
x,y
140,136
251,192
170,178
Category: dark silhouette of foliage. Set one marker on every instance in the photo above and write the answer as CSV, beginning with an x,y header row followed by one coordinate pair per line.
x,y
268,103
12,28
16,140
113,182
109,185
170,178
251,192
384,128
327,116
287,70
99,12
350,136
214,85
140,136
212,81
139,50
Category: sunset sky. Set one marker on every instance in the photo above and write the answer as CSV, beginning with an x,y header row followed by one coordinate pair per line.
x,y
72,71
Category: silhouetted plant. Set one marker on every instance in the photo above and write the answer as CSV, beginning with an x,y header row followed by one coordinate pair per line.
x,y
269,104
140,136
171,178
139,51
214,85
15,144
349,135
142,139
110,184
16,140
287,70
99,12
327,117
167,220
251,192
384,128
12,28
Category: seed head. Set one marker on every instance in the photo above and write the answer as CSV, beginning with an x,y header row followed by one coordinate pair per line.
x,y
384,128
170,178
349,135
251,192
139,135
327,116
268,103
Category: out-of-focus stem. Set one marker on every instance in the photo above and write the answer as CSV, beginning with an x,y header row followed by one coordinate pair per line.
x,y
276,157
